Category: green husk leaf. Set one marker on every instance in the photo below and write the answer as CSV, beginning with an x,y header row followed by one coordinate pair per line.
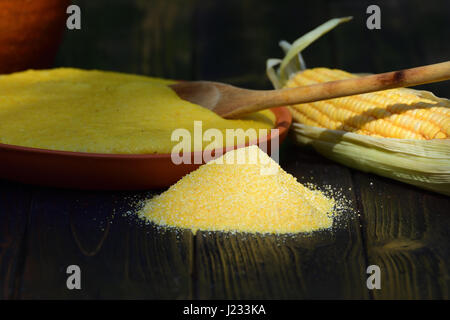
x,y
294,64
271,73
423,163
293,60
304,41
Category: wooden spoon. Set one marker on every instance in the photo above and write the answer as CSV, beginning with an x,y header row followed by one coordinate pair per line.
x,y
231,102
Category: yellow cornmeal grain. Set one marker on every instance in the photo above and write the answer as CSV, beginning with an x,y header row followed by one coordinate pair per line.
x,y
101,112
238,197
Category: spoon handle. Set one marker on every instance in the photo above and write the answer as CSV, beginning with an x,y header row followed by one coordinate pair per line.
x,y
334,89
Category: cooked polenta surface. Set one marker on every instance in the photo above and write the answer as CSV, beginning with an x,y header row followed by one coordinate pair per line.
x,y
102,112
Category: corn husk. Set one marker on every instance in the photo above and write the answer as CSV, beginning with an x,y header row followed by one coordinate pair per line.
x,y
423,163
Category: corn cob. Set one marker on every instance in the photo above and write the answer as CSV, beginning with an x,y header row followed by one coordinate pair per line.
x,y
395,113
421,121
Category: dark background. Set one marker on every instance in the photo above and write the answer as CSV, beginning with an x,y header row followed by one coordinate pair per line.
x,y
230,40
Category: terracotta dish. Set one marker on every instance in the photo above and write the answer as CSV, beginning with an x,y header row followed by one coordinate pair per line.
x,y
104,171
30,33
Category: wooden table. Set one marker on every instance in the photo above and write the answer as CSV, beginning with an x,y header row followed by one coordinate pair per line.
x,y
403,230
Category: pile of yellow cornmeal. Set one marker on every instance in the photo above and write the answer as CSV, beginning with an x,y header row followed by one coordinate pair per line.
x,y
242,191
102,112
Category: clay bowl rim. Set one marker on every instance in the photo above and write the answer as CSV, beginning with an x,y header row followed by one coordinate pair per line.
x,y
283,120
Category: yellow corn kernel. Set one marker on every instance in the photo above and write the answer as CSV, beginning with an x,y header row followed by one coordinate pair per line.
x,y
391,113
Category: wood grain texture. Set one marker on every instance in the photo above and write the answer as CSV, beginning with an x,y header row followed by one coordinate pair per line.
x,y
325,264
14,208
119,257
406,231
144,37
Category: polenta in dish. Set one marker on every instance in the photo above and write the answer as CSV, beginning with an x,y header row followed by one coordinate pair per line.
x,y
102,112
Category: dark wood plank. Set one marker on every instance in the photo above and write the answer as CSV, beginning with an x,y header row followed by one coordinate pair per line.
x,y
408,37
326,264
235,38
407,235
119,257
14,208
144,37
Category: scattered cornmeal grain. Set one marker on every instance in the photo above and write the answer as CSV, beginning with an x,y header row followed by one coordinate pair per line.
x,y
243,191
